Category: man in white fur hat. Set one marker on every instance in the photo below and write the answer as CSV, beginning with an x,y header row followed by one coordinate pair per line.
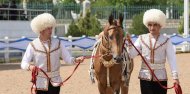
x,y
155,48
45,52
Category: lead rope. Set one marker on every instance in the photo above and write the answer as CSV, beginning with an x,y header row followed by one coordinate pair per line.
x,y
34,75
36,70
176,86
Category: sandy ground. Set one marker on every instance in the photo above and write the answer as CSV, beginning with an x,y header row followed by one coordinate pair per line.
x,y
13,80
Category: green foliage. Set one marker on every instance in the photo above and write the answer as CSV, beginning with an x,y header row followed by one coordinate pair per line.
x,y
89,26
101,3
136,2
110,2
175,2
39,1
68,1
181,26
74,30
137,25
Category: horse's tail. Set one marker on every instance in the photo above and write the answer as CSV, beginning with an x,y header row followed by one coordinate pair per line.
x,y
109,90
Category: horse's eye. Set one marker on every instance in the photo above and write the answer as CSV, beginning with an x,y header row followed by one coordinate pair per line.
x,y
111,37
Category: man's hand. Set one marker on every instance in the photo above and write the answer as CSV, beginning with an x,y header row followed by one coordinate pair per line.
x,y
79,59
31,67
176,81
128,37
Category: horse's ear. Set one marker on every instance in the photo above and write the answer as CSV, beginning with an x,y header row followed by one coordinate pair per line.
x,y
110,19
105,29
106,32
120,19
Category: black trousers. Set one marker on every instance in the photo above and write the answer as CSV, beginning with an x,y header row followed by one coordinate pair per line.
x,y
152,87
51,90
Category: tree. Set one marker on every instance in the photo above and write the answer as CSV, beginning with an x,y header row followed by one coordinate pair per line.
x,y
68,1
74,30
175,2
89,26
181,27
137,25
136,2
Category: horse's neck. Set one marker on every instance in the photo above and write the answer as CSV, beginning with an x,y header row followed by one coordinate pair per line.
x,y
100,50
102,46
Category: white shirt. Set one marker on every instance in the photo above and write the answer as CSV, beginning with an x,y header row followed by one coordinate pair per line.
x,y
27,58
170,54
36,53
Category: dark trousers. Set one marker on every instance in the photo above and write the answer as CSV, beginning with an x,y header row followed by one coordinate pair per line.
x,y
152,87
51,90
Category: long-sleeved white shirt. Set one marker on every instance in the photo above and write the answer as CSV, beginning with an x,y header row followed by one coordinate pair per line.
x,y
160,55
29,55
36,54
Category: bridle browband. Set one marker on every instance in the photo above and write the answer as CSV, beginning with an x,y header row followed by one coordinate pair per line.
x,y
113,27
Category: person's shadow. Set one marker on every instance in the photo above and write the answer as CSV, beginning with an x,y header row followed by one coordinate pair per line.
x,y
13,66
16,66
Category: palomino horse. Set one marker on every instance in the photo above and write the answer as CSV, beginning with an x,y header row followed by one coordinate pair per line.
x,y
108,66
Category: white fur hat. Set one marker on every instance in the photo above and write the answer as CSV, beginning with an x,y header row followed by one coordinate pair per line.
x,y
42,21
154,15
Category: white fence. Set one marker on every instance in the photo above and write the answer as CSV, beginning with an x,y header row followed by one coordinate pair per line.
x,y
73,44
83,45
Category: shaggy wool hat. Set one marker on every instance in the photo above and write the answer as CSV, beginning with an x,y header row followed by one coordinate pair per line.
x,y
154,15
42,21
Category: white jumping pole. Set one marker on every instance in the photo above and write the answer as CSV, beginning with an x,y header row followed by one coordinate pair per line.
x,y
186,18
186,45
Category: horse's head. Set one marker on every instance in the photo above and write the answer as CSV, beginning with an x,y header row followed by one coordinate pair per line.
x,y
113,37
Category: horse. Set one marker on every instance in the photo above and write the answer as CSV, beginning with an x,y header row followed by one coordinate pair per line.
x,y
108,67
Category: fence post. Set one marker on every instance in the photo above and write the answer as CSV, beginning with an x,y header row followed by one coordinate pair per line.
x,y
6,55
23,52
96,37
70,40
83,50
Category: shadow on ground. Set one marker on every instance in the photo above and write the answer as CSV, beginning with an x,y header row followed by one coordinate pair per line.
x,y
15,66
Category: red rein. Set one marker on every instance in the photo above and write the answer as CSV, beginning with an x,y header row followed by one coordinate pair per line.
x,y
176,86
36,70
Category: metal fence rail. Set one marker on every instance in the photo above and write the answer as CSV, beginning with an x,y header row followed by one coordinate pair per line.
x,y
6,13
63,11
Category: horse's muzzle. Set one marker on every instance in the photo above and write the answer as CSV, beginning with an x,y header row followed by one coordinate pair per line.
x,y
118,59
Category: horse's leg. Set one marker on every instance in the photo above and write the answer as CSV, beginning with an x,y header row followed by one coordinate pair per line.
x,y
101,89
104,89
117,91
109,90
124,88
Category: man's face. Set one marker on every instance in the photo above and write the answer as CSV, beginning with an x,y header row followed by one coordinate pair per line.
x,y
47,32
154,28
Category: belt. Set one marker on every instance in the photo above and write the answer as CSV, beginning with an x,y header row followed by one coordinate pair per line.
x,y
50,74
154,66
